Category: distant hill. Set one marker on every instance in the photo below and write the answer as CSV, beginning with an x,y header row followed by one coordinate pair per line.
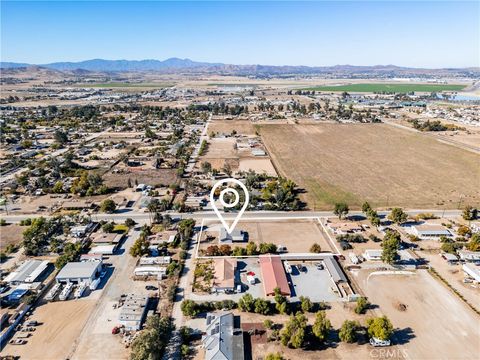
x,y
176,65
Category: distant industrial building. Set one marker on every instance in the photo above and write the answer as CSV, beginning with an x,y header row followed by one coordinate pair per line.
x,y
224,338
79,272
133,311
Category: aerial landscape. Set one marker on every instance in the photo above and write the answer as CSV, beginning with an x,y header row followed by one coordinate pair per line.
x,y
239,180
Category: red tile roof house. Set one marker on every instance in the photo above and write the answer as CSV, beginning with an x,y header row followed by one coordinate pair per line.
x,y
273,274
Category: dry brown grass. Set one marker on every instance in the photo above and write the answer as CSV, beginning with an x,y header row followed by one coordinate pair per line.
x,y
375,162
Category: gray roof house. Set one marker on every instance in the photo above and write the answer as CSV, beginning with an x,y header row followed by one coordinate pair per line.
x,y
235,236
224,338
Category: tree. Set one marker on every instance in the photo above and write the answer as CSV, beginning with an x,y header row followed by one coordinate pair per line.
x,y
306,304
348,331
470,213
206,167
130,223
315,248
366,208
390,245
140,247
293,334
246,303
151,342
362,305
262,306
474,243
268,323
274,356
267,248
108,206
321,327
108,227
341,209
380,328
398,216
60,137
189,308
251,248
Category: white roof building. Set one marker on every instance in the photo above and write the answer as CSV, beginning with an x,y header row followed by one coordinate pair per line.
x,y
373,255
79,272
151,270
472,256
472,271
103,250
430,231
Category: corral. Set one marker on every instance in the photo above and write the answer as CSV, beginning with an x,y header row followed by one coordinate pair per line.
x,y
378,163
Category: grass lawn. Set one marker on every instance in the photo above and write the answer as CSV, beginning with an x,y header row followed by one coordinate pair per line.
x,y
396,88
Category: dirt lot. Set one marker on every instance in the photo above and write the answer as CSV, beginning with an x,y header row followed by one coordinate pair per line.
x,y
436,324
262,165
454,275
61,325
150,177
375,162
296,235
10,234
227,126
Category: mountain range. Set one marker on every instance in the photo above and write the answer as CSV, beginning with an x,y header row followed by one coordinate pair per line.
x,y
186,65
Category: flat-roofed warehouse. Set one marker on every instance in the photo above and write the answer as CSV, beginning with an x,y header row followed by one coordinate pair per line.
x,y
273,274
79,272
133,311
28,272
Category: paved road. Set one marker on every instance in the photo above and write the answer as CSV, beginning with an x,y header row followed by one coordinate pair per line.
x,y
196,151
144,217
173,349
89,344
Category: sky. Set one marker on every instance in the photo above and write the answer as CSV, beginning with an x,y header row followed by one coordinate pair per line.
x,y
418,34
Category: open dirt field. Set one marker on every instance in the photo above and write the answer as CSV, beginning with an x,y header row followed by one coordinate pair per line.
x,y
227,126
156,177
10,234
61,324
435,325
263,165
375,162
296,235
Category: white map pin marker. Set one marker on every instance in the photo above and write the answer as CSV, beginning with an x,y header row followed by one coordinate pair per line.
x,y
229,205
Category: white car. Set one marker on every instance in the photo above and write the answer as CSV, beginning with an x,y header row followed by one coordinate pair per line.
x,y
379,343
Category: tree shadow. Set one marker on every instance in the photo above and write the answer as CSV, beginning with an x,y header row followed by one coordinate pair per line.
x,y
403,336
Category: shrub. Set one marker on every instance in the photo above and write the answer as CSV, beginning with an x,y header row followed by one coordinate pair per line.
x,y
315,248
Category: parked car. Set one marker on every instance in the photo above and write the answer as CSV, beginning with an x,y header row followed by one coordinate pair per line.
x,y
379,343
17,342
151,287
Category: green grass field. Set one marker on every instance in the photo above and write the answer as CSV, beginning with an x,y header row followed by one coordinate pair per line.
x,y
397,88
126,85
